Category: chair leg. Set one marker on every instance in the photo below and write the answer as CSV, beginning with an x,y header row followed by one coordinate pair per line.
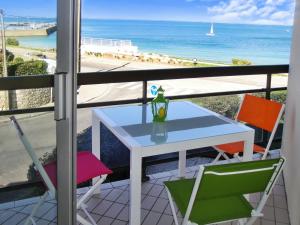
x,y
172,207
217,158
30,219
236,155
84,209
83,221
84,198
251,221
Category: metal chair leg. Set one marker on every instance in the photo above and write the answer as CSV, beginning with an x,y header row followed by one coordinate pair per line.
x,y
30,218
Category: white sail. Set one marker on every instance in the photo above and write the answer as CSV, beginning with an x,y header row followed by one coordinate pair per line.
x,y
211,33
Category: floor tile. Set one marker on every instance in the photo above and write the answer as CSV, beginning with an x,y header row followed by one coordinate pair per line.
x,y
42,222
92,203
123,198
152,218
269,213
6,215
148,202
156,190
165,220
280,202
105,220
119,222
282,215
160,205
146,187
113,195
124,214
267,222
114,210
51,214
102,207
279,190
15,219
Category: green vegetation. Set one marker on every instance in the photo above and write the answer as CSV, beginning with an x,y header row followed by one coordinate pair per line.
x,y
9,56
198,64
18,67
225,105
45,159
12,41
241,62
229,105
278,96
33,67
19,60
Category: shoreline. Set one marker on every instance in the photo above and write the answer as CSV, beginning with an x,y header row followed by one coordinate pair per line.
x,y
96,60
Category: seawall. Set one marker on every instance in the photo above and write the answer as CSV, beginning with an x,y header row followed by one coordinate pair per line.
x,y
32,32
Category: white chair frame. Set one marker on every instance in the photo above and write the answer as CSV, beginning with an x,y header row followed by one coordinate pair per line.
x,y
265,154
257,212
51,189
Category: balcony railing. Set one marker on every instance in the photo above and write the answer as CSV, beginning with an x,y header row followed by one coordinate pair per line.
x,y
144,76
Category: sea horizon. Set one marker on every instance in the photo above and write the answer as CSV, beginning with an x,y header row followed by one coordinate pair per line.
x,y
260,44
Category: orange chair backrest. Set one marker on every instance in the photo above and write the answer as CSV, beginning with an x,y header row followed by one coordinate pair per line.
x,y
259,112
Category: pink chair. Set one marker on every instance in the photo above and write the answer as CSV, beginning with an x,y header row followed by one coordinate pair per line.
x,y
88,167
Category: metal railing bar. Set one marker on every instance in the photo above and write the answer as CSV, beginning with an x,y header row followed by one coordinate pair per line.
x,y
25,111
177,73
26,82
45,81
138,100
109,103
212,94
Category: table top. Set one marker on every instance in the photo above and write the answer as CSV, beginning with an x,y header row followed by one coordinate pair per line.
x,y
133,124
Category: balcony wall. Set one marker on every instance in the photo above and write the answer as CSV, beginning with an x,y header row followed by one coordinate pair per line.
x,y
291,142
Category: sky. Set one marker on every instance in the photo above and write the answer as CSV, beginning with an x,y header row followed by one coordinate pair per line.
x,y
225,11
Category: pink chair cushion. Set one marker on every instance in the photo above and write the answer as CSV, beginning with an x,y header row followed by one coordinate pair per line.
x,y
88,167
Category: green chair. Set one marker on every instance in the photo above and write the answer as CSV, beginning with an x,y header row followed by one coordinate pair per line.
x,y
219,193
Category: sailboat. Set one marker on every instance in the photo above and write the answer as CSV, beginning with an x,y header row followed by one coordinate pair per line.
x,y
211,33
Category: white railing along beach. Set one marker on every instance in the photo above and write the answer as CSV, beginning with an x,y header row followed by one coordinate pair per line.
x,y
101,45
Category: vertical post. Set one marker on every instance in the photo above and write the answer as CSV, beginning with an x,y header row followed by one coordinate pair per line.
x,y
66,108
182,164
144,92
268,96
135,188
268,86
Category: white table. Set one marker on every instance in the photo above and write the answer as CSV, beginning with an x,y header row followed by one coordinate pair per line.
x,y
188,126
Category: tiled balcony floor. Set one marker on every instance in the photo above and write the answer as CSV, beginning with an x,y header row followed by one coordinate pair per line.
x,y
111,207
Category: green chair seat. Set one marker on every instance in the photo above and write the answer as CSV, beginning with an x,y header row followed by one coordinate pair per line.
x,y
208,210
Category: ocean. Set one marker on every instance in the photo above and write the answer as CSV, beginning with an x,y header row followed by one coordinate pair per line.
x,y
261,44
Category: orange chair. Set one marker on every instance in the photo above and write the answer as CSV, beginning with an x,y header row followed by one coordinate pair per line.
x,y
257,112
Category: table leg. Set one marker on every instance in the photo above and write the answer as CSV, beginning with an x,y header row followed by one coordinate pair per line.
x,y
182,164
248,147
135,188
96,142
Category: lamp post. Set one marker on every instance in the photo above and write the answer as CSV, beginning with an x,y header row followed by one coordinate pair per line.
x,y
195,61
3,43
7,97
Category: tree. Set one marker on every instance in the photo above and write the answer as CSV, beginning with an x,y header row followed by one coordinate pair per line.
x,y
12,41
9,56
33,67
241,62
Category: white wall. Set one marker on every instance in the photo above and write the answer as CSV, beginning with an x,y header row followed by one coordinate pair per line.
x,y
291,140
